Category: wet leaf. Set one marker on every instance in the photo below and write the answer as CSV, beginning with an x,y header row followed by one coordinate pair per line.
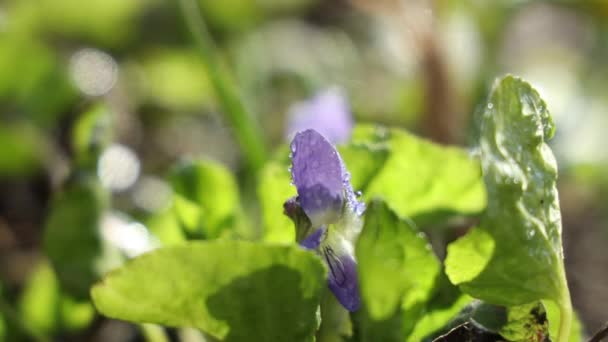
x,y
434,181
522,221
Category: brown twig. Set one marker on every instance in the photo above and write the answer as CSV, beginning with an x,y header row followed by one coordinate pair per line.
x,y
601,334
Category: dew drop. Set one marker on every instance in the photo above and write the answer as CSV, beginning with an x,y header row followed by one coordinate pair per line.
x,y
359,208
346,177
358,193
490,105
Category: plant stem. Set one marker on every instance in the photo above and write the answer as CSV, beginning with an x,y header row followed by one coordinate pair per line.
x,y
245,129
565,310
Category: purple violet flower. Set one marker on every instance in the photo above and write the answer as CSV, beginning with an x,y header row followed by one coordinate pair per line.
x,y
326,211
327,112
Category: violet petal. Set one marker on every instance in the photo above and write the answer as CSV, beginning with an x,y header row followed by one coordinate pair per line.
x,y
342,280
327,112
317,173
313,240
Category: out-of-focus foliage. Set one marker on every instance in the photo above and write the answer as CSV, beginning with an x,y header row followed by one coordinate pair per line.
x,y
22,153
47,310
206,199
72,237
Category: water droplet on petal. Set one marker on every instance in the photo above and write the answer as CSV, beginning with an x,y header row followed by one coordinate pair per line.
x,y
360,208
347,177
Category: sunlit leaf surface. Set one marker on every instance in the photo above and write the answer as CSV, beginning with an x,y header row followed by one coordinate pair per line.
x,y
523,217
235,291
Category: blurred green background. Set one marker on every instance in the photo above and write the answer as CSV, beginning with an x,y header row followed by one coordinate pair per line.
x,y
99,99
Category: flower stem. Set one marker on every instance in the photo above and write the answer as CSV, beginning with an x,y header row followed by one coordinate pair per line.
x,y
565,310
245,128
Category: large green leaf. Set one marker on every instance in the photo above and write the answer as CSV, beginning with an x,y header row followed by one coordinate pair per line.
x,y
396,264
71,238
206,198
515,256
421,179
233,290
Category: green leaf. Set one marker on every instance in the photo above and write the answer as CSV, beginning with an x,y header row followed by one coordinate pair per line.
x,y
233,290
174,79
477,248
437,180
274,188
75,315
30,91
523,217
3,328
22,150
436,318
105,22
525,323
395,262
522,323
165,225
206,199
363,161
39,301
92,132
46,309
71,237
